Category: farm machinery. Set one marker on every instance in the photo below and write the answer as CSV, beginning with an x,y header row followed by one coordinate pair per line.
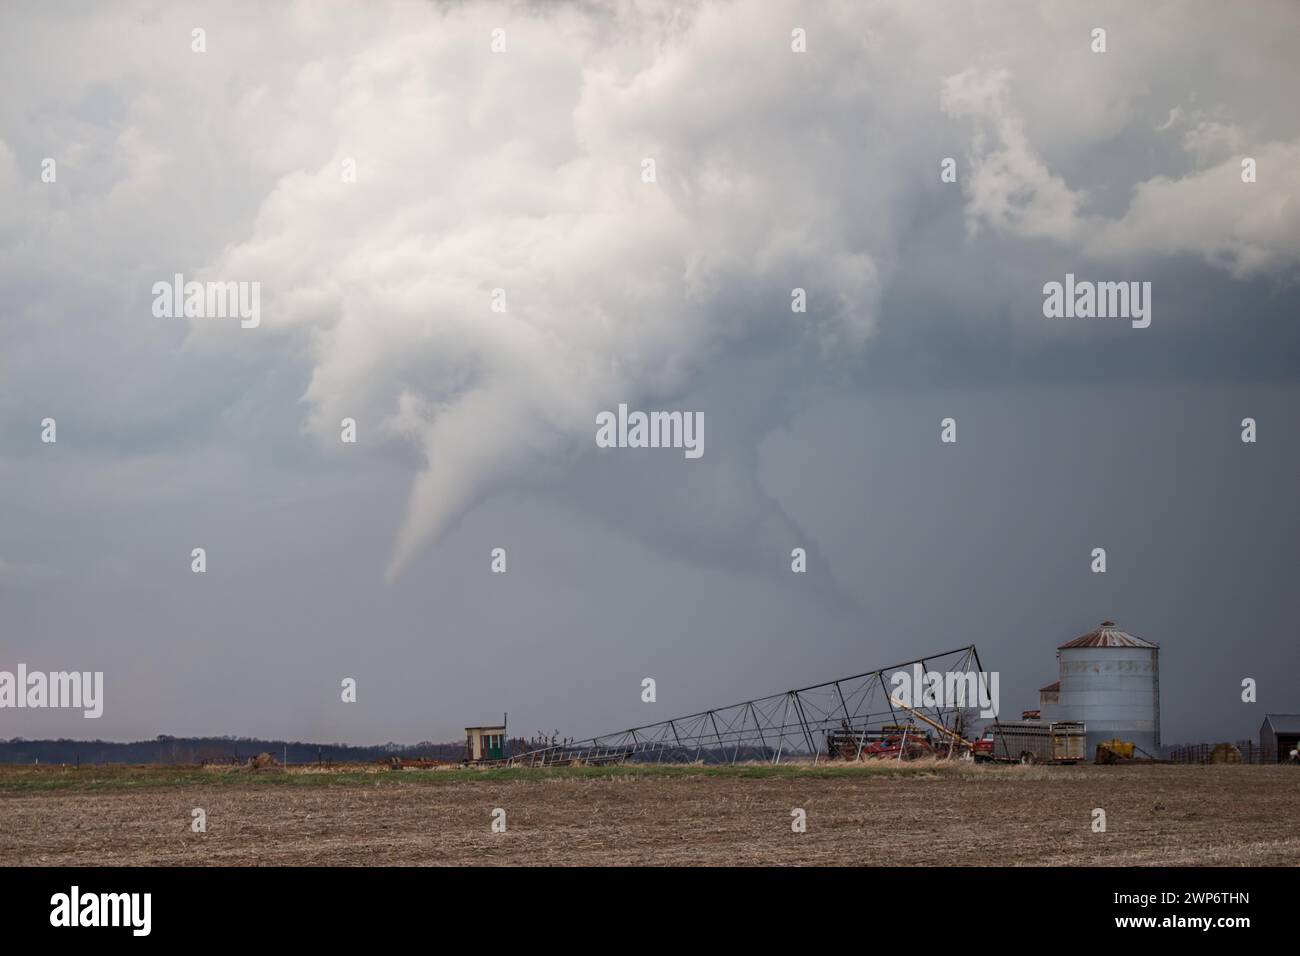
x,y
890,742
899,741
1122,751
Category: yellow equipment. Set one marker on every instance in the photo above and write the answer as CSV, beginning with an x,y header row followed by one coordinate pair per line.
x,y
1113,751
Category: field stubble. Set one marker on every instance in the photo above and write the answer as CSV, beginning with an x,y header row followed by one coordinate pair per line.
x,y
914,814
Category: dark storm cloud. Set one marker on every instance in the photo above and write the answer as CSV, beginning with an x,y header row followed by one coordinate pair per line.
x,y
522,171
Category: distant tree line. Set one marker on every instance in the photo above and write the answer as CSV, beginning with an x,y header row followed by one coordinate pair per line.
x,y
166,749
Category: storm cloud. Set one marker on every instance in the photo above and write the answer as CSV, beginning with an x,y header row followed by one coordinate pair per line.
x,y
523,170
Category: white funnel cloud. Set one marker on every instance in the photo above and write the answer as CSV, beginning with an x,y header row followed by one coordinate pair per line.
x,y
519,179
525,172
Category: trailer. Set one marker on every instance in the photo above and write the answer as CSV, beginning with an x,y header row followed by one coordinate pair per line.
x,y
1034,741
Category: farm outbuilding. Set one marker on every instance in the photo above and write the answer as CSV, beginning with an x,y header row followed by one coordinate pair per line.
x,y
1049,700
1278,736
485,743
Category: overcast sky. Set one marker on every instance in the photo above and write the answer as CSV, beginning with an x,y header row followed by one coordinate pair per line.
x,y
522,169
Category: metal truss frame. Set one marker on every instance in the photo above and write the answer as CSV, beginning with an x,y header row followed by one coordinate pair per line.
x,y
790,726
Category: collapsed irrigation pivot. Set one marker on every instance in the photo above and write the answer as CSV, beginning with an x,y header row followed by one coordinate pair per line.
x,y
858,717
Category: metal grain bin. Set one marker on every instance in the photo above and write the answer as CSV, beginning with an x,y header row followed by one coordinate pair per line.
x,y
1110,680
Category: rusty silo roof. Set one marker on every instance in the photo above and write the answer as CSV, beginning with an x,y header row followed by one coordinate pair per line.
x,y
1108,635
1055,685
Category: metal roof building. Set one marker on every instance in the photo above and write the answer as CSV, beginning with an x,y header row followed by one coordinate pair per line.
x,y
1110,680
1049,701
1279,735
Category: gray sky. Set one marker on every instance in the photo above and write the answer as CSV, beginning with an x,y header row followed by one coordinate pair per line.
x,y
522,170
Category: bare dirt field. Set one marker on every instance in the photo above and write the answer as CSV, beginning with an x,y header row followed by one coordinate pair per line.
x,y
865,815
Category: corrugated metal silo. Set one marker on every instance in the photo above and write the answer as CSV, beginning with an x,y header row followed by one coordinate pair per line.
x,y
1111,681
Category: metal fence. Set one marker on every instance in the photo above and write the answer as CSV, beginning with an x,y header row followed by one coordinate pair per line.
x,y
1243,751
